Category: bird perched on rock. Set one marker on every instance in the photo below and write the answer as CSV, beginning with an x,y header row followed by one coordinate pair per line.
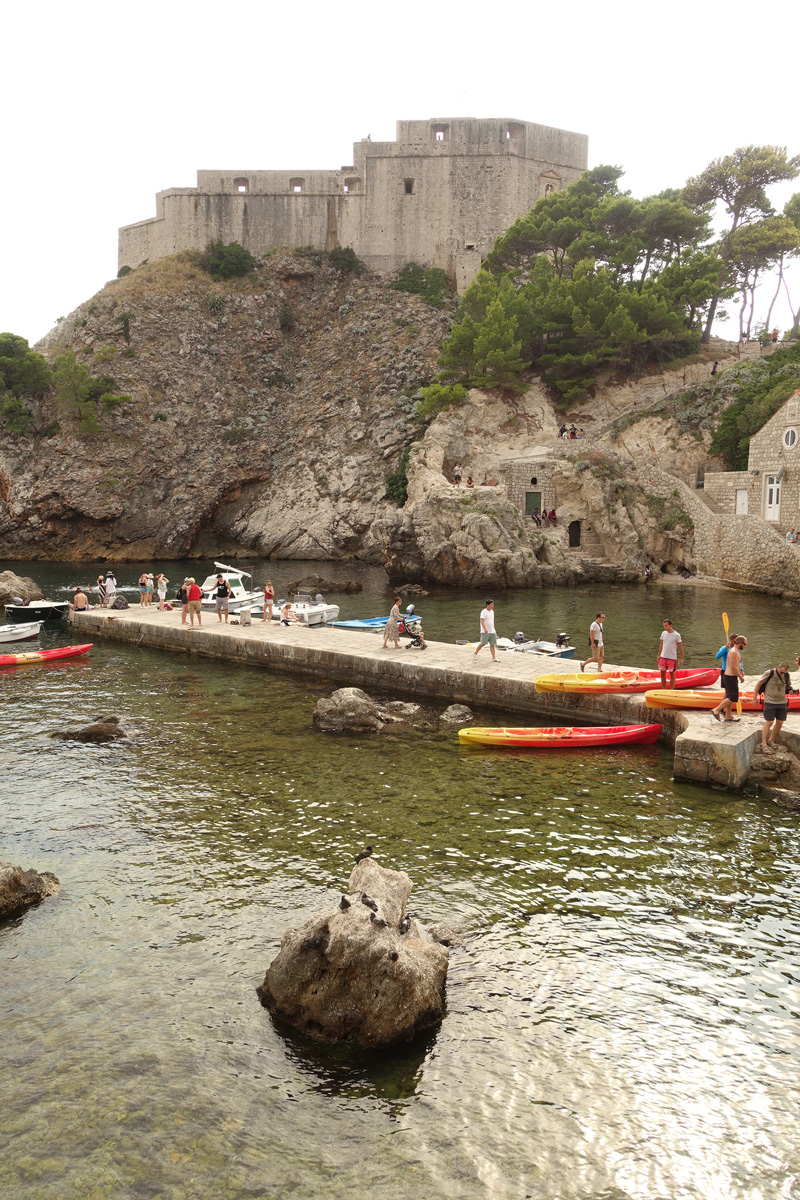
x,y
394,956
365,853
344,904
378,922
370,903
405,925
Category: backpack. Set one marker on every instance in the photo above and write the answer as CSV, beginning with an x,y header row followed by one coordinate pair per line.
x,y
120,602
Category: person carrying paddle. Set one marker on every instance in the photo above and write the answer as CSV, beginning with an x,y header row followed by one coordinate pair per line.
x,y
733,676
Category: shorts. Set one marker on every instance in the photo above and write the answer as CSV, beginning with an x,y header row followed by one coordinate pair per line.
x,y
488,639
731,685
222,603
776,712
667,664
193,606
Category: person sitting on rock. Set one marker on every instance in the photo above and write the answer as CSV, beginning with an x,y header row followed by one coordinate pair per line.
x,y
470,482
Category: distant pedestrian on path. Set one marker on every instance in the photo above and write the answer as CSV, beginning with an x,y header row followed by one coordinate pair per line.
x,y
488,635
161,588
195,602
774,336
596,643
670,645
457,473
111,589
714,368
269,599
732,677
775,686
101,590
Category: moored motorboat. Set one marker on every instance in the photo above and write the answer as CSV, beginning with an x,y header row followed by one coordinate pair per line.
x,y
35,656
242,595
25,612
370,624
604,682
20,633
305,610
668,698
562,738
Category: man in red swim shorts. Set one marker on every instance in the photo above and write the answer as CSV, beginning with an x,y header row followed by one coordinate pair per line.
x,y
669,647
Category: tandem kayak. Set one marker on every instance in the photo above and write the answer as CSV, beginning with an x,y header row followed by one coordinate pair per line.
x,y
660,698
35,656
623,681
568,737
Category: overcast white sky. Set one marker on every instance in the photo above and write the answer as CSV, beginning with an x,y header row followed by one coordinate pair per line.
x,y
106,104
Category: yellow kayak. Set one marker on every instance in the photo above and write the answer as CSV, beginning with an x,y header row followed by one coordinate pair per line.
x,y
623,681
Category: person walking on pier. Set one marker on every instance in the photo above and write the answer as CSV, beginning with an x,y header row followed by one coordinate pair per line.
x,y
596,643
195,601
670,645
488,635
223,594
775,686
733,676
392,626
269,599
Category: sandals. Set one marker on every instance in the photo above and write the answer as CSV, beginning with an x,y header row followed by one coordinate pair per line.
x,y
716,715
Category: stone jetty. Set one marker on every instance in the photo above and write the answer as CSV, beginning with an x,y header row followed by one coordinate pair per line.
x,y
705,752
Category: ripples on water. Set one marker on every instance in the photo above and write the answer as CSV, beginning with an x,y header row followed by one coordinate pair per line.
x,y
621,1023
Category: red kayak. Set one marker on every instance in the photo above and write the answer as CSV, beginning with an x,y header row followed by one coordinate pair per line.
x,y
35,656
607,682
569,737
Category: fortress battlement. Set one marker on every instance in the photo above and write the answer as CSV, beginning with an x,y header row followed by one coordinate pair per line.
x,y
439,194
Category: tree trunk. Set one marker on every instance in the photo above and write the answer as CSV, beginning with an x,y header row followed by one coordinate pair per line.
x,y
794,332
777,290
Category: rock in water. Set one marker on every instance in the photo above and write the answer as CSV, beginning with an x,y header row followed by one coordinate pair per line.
x,y
19,889
343,977
101,729
457,714
348,708
17,585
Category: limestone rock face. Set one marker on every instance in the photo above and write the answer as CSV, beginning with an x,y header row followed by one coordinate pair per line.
x,y
457,714
352,975
99,731
17,585
348,709
19,888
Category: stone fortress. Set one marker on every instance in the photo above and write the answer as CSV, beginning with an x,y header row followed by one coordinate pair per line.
x,y
439,195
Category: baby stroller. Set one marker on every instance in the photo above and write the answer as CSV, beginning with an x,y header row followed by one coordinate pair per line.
x,y
410,626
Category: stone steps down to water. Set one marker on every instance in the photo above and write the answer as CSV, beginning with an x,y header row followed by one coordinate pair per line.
x,y
705,752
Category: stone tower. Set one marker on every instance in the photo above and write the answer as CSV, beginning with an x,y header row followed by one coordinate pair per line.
x,y
438,195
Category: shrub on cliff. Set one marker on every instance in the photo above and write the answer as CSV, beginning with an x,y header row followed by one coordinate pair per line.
x,y
79,392
229,261
345,259
438,397
428,282
761,389
397,480
23,372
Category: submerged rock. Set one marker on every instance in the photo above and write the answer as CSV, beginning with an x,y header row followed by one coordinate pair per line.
x,y
100,730
19,888
348,708
457,714
364,971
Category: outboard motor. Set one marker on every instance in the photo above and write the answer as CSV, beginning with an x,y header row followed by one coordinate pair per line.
x,y
18,600
320,599
562,639
410,610
519,637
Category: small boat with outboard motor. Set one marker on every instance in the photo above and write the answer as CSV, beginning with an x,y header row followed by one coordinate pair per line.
x,y
24,612
242,594
570,737
560,648
36,656
373,624
304,610
20,633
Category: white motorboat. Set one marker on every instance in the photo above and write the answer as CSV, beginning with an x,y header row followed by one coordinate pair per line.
x,y
306,611
20,633
242,595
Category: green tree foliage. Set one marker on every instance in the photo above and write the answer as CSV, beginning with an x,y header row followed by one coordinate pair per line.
x,y
79,392
23,372
428,282
345,259
438,397
229,261
739,181
761,389
397,481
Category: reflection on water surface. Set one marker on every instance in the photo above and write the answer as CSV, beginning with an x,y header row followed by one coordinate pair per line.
x,y
620,1023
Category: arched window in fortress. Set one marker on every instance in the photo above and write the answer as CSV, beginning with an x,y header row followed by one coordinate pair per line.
x,y
242,186
549,188
297,185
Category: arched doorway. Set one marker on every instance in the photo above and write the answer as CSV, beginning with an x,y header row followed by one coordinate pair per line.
x,y
574,533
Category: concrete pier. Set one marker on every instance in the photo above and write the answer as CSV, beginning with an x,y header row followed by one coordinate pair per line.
x,y
705,751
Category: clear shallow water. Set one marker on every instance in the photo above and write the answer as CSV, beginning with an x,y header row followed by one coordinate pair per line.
x,y
621,1023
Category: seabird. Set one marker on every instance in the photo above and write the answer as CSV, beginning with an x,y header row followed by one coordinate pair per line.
x,y
344,904
405,925
393,955
378,922
365,853
370,903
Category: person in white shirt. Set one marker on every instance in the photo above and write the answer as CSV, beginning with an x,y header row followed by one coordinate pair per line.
x,y
596,642
111,588
488,635
670,645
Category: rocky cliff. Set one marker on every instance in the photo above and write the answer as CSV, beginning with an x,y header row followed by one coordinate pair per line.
x,y
266,413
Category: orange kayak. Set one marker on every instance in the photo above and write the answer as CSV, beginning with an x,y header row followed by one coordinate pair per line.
x,y
569,737
604,682
35,656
